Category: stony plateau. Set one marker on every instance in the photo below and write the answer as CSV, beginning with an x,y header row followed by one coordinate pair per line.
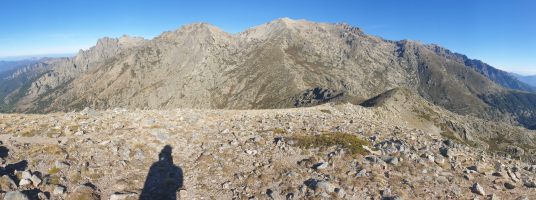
x,y
386,153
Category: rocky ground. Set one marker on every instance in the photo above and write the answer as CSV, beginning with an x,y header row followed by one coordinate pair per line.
x,y
324,152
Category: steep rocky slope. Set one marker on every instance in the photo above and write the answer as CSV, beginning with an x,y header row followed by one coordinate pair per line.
x,y
325,152
505,79
281,64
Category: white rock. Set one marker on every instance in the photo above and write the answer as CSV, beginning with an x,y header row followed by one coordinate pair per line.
x,y
24,182
59,190
26,175
325,186
478,189
122,196
321,165
15,195
251,152
36,180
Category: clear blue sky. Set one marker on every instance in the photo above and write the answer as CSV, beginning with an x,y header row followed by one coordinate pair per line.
x,y
501,33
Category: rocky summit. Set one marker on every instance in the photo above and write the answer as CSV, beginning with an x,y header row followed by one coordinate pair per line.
x,y
330,151
290,109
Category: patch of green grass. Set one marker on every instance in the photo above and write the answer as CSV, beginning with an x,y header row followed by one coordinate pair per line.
x,y
351,143
53,170
279,131
326,111
28,133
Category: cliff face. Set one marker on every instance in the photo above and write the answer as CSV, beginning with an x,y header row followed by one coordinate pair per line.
x,y
284,63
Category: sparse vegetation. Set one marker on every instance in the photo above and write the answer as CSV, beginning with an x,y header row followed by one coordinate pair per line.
x,y
326,111
53,170
279,131
351,143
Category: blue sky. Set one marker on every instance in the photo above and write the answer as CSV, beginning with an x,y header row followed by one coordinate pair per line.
x,y
501,33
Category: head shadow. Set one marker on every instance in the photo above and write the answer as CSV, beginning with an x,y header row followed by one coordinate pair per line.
x,y
164,178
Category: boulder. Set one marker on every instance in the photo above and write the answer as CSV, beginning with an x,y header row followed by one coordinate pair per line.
x,y
15,195
83,192
7,184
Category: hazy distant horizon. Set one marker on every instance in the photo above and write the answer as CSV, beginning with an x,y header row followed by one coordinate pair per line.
x,y
37,56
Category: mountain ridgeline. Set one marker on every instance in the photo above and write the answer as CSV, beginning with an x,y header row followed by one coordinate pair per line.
x,y
281,64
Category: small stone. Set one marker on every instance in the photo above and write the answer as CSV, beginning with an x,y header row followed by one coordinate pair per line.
x,y
183,194
530,183
59,190
24,182
467,177
139,155
42,196
361,173
325,186
225,185
320,166
478,189
36,180
392,160
340,192
26,175
512,176
15,195
509,186
494,197
449,143
498,174
445,152
123,196
118,125
83,192
429,157
251,152
473,168
439,160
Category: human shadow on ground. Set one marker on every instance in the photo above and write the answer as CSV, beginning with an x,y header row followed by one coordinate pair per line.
x,y
10,169
164,178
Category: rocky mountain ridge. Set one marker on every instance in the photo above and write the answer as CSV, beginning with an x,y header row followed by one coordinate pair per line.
x,y
281,64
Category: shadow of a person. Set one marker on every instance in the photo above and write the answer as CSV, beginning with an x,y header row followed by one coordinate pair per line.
x,y
164,178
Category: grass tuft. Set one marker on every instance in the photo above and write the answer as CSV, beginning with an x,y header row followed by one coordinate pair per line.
x,y
53,170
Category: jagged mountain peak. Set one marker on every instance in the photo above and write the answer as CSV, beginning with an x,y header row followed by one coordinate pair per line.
x,y
193,32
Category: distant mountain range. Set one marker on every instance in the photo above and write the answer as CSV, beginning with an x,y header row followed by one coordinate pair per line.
x,y
10,65
281,64
531,80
